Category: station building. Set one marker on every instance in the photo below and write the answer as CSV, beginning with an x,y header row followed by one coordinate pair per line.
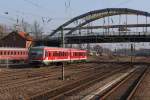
x,y
16,39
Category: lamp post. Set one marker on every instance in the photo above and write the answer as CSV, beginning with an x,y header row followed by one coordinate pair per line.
x,y
63,46
132,53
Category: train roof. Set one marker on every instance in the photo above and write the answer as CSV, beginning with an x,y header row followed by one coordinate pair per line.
x,y
12,48
56,48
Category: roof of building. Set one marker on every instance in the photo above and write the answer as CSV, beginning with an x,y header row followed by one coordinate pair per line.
x,y
2,35
25,36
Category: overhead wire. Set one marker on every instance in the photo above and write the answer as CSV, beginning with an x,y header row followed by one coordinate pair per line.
x,y
123,2
32,3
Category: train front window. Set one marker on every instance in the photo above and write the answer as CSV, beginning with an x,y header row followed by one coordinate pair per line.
x,y
36,52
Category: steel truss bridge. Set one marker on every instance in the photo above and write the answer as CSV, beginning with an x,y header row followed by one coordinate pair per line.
x,y
80,29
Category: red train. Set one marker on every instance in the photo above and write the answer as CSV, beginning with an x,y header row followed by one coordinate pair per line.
x,y
13,54
47,55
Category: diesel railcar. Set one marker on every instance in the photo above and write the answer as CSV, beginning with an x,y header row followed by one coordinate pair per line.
x,y
48,55
13,54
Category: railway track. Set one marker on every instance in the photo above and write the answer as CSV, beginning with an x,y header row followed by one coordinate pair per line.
x,y
70,88
41,83
13,87
124,89
38,74
48,76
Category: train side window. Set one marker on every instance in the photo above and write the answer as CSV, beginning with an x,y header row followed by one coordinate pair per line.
x,y
59,53
54,53
8,52
65,53
1,52
4,52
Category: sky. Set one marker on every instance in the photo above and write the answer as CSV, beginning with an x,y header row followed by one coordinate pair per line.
x,y
59,11
52,13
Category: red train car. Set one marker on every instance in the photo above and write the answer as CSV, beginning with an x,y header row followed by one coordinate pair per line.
x,y
13,54
47,55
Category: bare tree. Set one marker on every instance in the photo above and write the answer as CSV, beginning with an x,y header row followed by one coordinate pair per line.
x,y
37,30
3,30
26,27
98,49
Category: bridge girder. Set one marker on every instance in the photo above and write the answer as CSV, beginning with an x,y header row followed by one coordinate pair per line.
x,y
98,14
109,26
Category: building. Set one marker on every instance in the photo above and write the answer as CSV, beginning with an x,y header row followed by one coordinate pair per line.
x,y
16,39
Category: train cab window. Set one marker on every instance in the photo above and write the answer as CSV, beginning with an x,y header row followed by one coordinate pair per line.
x,y
1,53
